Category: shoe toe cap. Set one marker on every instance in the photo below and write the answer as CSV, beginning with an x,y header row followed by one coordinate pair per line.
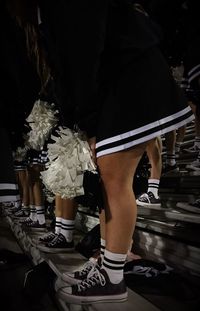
x,y
65,290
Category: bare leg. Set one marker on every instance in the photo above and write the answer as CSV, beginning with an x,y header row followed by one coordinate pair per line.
x,y
151,198
170,165
58,206
37,185
36,188
154,150
170,139
24,182
69,209
32,215
180,134
117,171
102,224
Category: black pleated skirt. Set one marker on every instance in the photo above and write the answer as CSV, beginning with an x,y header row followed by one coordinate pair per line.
x,y
144,102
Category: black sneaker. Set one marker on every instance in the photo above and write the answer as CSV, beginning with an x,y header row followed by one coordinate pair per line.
x,y
26,221
58,244
168,169
13,210
50,236
190,207
22,213
34,226
8,204
78,276
97,288
148,199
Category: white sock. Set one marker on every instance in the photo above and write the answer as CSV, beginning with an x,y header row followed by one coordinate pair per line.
x,y
58,225
113,264
171,159
40,210
25,208
153,186
33,215
67,229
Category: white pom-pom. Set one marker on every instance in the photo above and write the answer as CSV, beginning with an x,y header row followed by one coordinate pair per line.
x,y
42,120
20,153
69,157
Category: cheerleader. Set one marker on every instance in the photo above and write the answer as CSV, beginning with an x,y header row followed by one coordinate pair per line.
x,y
64,178
151,197
20,167
113,81
9,191
121,112
16,89
192,73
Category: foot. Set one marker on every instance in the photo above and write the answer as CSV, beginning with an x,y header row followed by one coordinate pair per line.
x,y
97,288
167,169
148,199
26,221
20,214
190,207
50,236
58,244
78,276
13,210
34,226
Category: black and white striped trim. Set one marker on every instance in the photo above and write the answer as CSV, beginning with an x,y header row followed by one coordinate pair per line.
x,y
67,227
194,73
153,185
144,133
40,211
113,264
9,192
44,157
58,224
21,166
34,161
185,84
102,250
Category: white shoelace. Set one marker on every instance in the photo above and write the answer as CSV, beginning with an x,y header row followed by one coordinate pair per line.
x,y
57,238
87,267
94,277
144,197
48,235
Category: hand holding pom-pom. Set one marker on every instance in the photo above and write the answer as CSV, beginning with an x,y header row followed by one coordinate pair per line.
x,y
70,156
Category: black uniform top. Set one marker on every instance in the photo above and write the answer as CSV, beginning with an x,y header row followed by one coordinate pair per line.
x,y
180,24
90,42
20,84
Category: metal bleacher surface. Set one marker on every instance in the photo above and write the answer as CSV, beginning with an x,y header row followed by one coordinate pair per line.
x,y
167,234
72,261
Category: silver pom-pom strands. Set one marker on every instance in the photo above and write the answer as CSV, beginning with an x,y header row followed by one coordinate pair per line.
x,y
42,120
20,153
69,157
